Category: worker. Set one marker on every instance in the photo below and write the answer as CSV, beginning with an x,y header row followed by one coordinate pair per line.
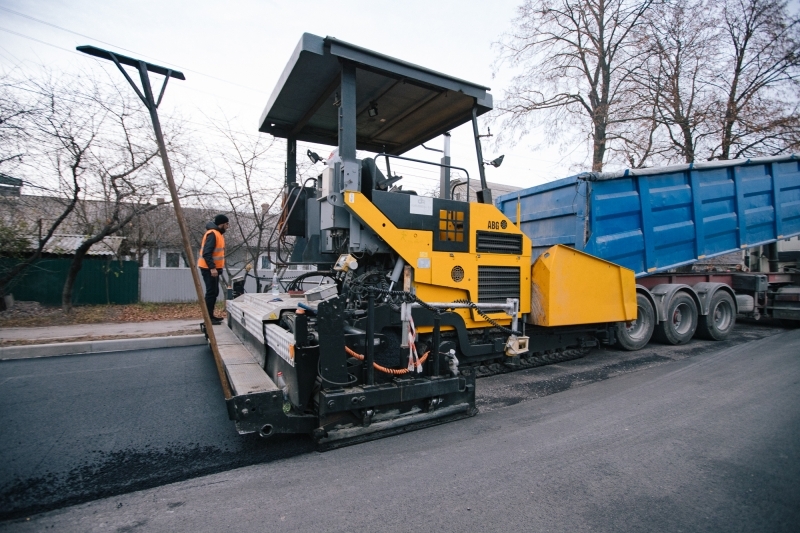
x,y
212,261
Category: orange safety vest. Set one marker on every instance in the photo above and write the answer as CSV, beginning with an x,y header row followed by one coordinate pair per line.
x,y
219,251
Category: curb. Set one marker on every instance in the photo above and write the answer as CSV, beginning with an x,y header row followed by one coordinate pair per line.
x,y
88,347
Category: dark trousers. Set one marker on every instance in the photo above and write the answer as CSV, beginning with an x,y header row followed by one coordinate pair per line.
x,y
212,289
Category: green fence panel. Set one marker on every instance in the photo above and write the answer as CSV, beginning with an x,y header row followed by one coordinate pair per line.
x,y
100,281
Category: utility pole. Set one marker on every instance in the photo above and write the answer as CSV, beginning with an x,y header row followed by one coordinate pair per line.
x,y
152,105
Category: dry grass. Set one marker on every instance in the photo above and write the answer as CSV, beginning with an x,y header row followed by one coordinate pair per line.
x,y
32,314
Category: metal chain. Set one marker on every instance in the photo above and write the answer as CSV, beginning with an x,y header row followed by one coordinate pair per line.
x,y
488,318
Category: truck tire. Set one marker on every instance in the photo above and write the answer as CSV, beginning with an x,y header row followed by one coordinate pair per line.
x,y
681,322
721,317
636,335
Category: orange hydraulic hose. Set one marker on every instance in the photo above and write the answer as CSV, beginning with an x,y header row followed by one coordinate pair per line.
x,y
392,371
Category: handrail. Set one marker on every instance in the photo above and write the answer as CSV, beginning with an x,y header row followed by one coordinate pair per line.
x,y
387,156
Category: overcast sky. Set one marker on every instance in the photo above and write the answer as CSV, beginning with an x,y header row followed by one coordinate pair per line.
x,y
233,52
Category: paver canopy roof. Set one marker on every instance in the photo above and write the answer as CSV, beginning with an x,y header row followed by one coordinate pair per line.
x,y
398,105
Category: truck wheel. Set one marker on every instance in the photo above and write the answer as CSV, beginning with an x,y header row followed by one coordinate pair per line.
x,y
681,322
721,317
635,335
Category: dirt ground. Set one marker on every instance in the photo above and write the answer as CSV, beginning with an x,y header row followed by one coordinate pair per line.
x,y
33,314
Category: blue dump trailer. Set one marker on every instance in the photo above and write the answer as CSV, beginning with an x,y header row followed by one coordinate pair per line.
x,y
655,220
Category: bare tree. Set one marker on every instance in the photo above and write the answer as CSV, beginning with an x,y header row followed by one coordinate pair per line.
x,y
241,172
576,59
759,112
53,151
680,43
16,108
121,180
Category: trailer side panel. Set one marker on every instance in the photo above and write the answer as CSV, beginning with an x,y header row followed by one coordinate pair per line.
x,y
657,219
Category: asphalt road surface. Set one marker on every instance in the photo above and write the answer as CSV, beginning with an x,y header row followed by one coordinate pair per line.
x,y
703,437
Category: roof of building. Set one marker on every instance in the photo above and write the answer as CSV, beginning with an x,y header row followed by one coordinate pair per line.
x,y
67,244
10,186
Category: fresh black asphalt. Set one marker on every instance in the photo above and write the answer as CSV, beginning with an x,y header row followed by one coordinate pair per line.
x,y
78,428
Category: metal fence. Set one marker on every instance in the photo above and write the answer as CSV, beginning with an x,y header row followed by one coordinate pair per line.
x,y
100,281
175,284
103,281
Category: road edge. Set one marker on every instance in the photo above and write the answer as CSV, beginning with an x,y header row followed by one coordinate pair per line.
x,y
89,347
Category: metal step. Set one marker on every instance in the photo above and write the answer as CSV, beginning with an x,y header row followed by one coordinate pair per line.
x,y
244,374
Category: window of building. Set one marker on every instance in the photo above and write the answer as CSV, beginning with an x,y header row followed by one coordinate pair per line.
x,y
265,264
153,258
173,260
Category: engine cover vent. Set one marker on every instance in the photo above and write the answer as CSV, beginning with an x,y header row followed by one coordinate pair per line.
x,y
491,242
496,283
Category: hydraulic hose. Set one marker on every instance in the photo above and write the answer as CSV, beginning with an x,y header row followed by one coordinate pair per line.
x,y
391,371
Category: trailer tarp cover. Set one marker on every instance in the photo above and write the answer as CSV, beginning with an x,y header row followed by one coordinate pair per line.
x,y
654,220
398,105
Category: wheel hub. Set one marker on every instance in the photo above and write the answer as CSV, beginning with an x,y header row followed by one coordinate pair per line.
x,y
681,319
722,316
636,328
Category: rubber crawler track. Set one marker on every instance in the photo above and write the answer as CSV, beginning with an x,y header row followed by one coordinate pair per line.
x,y
559,356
